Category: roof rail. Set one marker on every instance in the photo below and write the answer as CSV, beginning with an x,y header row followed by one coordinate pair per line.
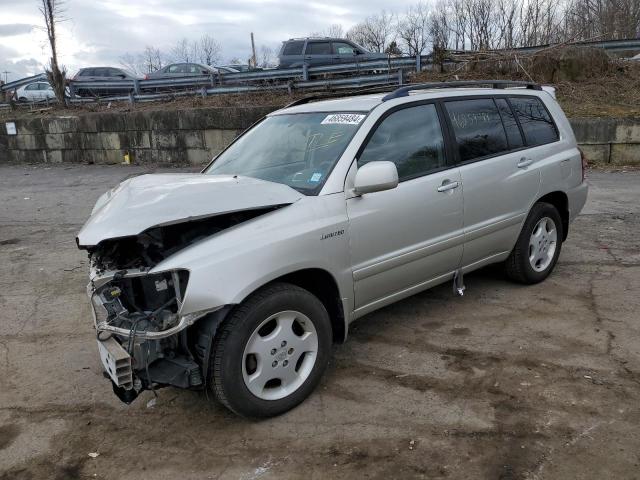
x,y
329,96
404,91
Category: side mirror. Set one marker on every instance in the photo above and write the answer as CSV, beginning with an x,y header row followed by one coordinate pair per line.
x,y
376,177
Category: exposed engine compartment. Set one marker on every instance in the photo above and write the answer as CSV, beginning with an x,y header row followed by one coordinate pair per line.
x,y
142,336
152,246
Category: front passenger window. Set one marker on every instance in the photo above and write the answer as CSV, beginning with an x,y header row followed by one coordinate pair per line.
x,y
411,138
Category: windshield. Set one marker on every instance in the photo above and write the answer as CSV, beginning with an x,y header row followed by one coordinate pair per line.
x,y
298,150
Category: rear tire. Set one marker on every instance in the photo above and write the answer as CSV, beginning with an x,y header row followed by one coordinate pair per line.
x,y
538,246
271,351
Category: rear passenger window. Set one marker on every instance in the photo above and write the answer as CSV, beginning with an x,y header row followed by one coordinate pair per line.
x,y
293,48
411,138
514,137
478,128
537,125
319,48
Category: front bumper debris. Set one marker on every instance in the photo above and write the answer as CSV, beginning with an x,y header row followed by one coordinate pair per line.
x,y
141,334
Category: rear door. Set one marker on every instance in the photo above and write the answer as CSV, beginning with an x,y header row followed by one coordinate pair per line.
x,y
404,238
498,184
318,53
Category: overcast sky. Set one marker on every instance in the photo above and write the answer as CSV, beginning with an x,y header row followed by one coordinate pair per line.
x,y
99,32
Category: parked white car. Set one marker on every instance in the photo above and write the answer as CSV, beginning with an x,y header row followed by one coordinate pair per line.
x,y
35,92
238,279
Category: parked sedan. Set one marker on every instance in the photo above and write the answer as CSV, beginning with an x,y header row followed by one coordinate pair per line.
x,y
114,76
35,92
180,70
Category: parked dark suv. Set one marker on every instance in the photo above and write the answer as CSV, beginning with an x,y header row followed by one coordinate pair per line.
x,y
322,51
112,75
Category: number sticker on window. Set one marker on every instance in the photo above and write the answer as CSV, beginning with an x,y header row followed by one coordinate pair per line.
x,y
343,118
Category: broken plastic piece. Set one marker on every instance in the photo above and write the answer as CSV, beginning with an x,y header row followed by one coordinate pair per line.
x,y
458,283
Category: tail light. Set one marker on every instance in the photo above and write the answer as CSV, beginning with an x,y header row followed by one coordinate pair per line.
x,y
146,77
585,164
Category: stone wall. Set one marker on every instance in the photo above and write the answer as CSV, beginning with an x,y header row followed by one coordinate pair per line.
x,y
194,136
176,137
609,140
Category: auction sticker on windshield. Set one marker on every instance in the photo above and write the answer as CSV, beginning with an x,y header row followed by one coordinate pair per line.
x,y
343,118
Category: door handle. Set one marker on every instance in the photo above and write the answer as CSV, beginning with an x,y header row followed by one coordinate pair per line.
x,y
448,185
524,162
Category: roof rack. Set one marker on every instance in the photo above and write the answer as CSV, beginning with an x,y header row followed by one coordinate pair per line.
x,y
404,91
329,96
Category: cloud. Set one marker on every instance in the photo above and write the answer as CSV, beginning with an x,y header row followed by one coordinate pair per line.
x,y
11,29
99,32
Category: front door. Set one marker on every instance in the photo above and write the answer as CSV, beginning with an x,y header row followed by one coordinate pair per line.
x,y
343,53
405,238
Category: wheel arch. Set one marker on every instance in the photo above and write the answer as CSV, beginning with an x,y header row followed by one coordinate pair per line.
x,y
559,200
321,284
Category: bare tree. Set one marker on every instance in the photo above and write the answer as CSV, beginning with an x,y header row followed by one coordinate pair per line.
x,y
334,31
208,50
184,51
604,19
412,29
459,23
375,33
267,57
153,59
52,11
132,63
150,60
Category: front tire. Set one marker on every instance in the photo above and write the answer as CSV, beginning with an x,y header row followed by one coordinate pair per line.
x,y
538,246
271,351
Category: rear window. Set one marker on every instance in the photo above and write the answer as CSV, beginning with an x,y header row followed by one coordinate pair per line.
x,y
293,48
477,127
537,125
319,48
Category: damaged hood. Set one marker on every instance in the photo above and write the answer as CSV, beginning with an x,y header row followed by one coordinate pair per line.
x,y
147,201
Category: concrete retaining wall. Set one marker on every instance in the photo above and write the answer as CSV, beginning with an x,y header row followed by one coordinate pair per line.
x,y
195,136
176,137
609,140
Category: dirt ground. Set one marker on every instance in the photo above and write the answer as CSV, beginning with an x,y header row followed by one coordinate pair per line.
x,y
508,382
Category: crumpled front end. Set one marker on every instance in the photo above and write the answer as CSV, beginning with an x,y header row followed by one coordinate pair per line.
x,y
141,334
142,315
142,310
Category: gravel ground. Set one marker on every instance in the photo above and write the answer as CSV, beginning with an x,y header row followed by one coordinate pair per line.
x,y
508,382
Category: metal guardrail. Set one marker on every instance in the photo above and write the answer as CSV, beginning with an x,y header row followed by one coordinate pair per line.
x,y
294,77
611,45
349,75
23,81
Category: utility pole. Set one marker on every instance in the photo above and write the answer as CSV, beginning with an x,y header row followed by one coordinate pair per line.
x,y
7,73
253,50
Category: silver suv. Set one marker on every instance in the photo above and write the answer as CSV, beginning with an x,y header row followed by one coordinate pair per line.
x,y
239,279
